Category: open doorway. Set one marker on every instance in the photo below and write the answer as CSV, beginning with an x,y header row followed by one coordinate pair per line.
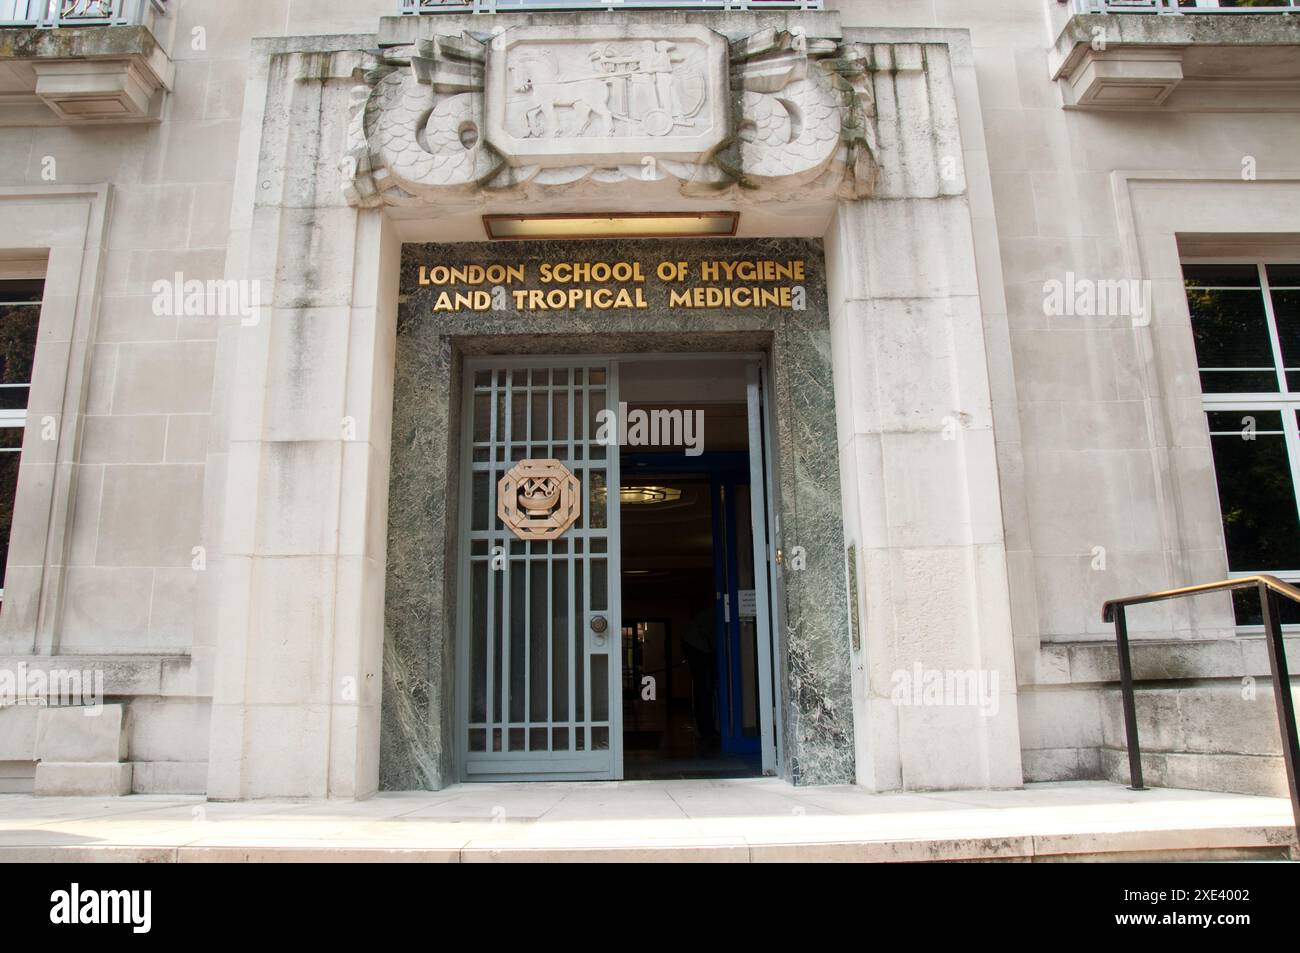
x,y
689,636
616,634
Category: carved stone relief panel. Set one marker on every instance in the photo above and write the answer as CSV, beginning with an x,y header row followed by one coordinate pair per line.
x,y
773,116
562,97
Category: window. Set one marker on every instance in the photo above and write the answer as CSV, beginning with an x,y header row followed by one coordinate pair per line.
x,y
20,311
1246,324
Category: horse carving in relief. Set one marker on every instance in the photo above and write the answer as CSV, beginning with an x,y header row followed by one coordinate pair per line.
x,y
587,96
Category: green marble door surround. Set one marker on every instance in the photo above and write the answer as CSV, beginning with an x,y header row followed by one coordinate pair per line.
x,y
812,653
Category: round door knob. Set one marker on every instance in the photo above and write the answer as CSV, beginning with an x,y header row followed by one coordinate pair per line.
x,y
599,624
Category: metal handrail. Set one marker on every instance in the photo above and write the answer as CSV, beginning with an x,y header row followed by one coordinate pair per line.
x,y
1270,588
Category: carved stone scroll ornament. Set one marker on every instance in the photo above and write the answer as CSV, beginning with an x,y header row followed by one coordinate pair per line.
x,y
415,129
776,115
806,115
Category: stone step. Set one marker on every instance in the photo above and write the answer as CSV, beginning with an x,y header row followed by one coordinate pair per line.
x,y
751,820
1168,845
1208,736
1237,774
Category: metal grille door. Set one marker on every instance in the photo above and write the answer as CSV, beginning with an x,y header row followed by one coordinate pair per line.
x,y
538,660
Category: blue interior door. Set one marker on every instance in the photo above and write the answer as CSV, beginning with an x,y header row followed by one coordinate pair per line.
x,y
735,616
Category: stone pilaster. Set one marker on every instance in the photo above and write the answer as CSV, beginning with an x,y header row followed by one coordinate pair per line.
x,y
295,708
918,463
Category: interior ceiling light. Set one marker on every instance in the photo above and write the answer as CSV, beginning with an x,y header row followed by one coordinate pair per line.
x,y
648,495
613,225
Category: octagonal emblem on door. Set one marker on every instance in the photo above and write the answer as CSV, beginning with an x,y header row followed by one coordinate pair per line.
x,y
539,499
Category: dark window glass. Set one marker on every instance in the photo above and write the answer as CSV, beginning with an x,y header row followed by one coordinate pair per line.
x,y
1239,422
1257,498
20,312
18,324
1238,382
1261,525
1286,311
1231,331
1221,276
8,487
1283,276
25,291
1245,603
17,342
14,398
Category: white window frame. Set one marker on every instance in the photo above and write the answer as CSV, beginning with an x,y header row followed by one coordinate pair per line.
x,y
1285,401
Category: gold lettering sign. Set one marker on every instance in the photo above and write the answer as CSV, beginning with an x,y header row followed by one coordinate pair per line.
x,y
761,283
539,499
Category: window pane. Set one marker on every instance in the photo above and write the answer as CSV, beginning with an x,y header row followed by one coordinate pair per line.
x,y
9,459
1286,311
14,397
1240,422
1221,276
1257,499
17,343
1238,382
26,290
1231,331
1283,276
1245,603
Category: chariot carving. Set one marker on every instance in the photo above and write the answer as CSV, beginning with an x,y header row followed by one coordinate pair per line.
x,y
643,88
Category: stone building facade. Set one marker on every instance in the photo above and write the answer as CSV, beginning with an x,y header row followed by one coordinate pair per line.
x,y
244,461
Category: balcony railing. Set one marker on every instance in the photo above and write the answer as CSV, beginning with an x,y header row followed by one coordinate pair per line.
x,y
1179,7
56,13
507,6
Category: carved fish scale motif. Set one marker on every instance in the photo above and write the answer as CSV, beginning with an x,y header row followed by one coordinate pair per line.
x,y
446,151
794,133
